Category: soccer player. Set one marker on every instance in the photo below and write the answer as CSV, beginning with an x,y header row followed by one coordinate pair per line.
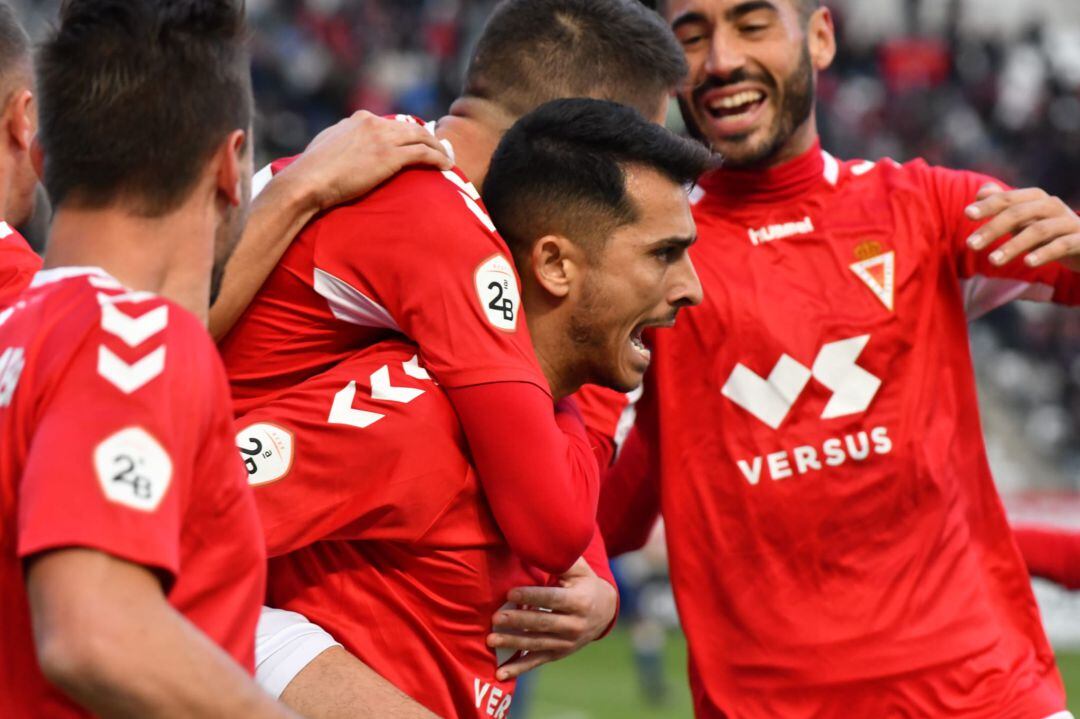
x,y
18,123
378,527
811,432
419,257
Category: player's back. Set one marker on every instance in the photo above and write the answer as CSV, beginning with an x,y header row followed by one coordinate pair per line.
x,y
379,530
366,271
114,436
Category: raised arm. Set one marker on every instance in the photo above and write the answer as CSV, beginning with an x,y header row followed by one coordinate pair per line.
x,y
342,163
106,636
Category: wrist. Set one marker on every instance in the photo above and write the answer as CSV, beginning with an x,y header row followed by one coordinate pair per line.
x,y
297,190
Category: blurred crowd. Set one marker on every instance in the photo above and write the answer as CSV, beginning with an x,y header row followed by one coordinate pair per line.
x,y
991,85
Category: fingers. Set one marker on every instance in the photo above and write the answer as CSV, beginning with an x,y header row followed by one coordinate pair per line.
x,y
1060,249
557,599
421,155
530,642
1010,216
1034,236
529,620
526,663
991,200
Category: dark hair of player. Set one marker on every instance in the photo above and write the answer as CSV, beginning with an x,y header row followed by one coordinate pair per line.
x,y
14,47
533,51
135,97
561,170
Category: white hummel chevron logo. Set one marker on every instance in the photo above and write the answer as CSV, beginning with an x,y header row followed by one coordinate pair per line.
x,y
342,411
414,370
130,377
381,388
134,330
771,399
133,297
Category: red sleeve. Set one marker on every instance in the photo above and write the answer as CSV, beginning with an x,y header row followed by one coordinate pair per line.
x,y
630,497
540,477
987,286
119,483
596,557
328,463
18,264
1052,554
421,256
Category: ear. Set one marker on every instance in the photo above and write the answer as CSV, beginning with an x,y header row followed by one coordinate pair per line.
x,y
821,39
230,167
556,264
19,118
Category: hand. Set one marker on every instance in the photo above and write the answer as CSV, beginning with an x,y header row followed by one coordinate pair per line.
x,y
1042,226
581,609
359,153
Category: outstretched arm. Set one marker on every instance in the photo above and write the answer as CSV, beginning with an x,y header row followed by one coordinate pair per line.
x,y
342,163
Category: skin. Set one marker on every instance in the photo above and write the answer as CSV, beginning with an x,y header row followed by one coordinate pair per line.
x,y
582,309
18,125
764,45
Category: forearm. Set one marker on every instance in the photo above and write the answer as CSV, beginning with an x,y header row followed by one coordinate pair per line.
x,y
337,685
107,637
537,470
277,215
1052,554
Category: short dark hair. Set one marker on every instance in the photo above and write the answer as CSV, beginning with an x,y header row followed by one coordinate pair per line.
x,y
534,51
136,95
14,47
562,170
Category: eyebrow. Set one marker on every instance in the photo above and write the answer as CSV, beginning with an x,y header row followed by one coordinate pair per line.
x,y
693,17
674,241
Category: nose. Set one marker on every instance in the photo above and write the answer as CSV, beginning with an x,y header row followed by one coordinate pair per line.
x,y
725,57
686,287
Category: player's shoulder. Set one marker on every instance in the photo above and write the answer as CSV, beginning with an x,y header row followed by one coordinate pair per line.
x,y
128,337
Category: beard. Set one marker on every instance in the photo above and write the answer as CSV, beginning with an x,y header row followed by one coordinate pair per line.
x,y
739,151
226,238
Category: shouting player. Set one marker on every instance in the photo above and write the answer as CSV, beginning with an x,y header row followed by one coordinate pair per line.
x,y
419,257
811,432
18,123
382,532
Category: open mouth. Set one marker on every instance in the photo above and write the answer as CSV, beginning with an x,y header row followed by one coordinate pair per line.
x,y
736,107
638,345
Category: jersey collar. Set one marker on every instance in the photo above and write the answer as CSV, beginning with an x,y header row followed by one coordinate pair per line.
x,y
812,169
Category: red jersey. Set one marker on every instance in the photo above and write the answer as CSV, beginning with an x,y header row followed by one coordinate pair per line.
x,y
379,531
418,257
837,545
115,435
18,263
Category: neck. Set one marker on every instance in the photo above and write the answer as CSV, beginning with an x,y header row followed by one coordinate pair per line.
x,y
547,326
804,137
7,200
171,256
474,127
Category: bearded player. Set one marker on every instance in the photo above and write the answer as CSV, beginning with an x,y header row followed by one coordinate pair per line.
x,y
811,432
395,551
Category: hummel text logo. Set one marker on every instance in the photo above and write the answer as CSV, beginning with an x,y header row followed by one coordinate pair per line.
x,y
771,399
778,232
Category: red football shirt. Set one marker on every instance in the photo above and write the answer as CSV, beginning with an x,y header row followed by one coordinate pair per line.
x,y
379,531
837,545
117,436
18,263
419,258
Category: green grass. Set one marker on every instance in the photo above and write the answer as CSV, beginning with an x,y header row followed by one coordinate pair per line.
x,y
600,683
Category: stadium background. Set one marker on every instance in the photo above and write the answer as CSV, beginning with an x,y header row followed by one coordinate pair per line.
x,y
992,85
